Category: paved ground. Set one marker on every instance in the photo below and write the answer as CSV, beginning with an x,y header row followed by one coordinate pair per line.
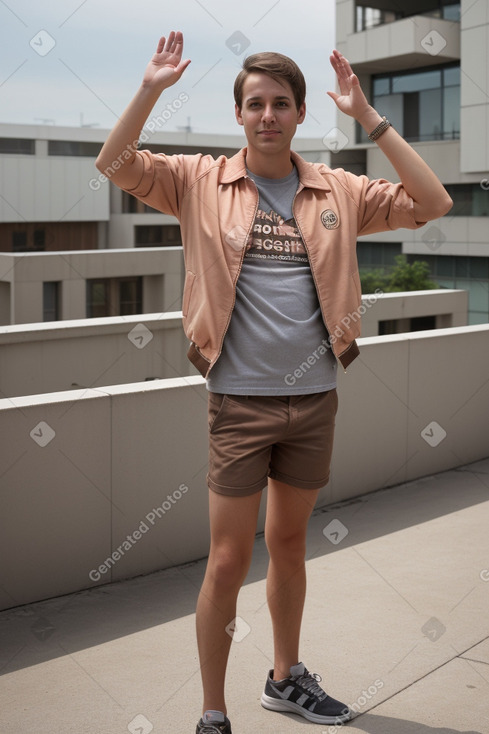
x,y
396,622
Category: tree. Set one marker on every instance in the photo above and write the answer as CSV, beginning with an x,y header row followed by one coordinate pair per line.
x,y
410,276
404,277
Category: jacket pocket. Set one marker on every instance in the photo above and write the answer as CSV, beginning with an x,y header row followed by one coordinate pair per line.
x,y
187,291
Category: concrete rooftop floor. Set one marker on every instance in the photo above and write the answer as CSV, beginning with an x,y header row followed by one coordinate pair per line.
x,y
396,623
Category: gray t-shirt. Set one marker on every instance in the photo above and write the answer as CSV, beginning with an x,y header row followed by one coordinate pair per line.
x,y
276,343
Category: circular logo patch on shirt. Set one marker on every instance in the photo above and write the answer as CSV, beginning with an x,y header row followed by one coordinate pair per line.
x,y
330,219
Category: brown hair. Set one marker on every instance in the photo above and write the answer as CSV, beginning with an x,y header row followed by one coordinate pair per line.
x,y
276,65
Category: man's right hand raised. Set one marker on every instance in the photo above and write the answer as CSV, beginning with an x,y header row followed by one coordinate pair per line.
x,y
166,66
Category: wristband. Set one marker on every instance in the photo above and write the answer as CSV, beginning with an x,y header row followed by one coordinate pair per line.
x,y
381,128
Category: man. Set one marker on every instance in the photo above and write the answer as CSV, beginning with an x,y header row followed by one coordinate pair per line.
x,y
269,243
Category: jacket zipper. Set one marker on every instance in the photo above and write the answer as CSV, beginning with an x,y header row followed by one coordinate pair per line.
x,y
314,279
237,275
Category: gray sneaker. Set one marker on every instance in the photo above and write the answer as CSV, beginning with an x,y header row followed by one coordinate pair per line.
x,y
211,725
301,694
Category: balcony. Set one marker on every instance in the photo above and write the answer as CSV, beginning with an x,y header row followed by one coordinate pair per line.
x,y
413,42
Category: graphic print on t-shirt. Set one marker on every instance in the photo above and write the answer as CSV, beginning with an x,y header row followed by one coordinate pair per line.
x,y
277,239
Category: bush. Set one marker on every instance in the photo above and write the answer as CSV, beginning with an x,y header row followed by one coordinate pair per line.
x,y
404,277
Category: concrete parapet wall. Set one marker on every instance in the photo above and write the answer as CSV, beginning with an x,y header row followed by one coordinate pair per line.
x,y
63,355
104,484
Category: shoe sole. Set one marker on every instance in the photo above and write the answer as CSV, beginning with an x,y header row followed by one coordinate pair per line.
x,y
276,704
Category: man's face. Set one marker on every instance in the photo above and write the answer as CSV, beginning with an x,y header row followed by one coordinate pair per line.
x,y
268,113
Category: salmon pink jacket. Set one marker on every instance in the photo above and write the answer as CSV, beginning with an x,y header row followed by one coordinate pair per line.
x,y
216,202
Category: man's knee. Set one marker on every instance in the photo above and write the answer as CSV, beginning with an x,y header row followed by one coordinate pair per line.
x,y
227,567
286,546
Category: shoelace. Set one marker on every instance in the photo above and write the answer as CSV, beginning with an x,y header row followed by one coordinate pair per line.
x,y
210,729
310,682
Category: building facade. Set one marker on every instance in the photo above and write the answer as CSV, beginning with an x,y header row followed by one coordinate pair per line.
x,y
423,65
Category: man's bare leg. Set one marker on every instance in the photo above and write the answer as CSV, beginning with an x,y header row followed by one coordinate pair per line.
x,y
288,513
233,529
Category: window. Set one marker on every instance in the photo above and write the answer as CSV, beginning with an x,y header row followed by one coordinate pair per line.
x,y
368,16
39,239
157,235
73,148
424,105
131,205
130,296
98,304
466,273
19,241
50,301
114,296
469,200
17,146
378,254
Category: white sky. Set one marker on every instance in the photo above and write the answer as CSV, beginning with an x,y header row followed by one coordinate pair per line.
x,y
100,49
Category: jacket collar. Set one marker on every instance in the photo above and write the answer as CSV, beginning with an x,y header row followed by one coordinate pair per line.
x,y
235,168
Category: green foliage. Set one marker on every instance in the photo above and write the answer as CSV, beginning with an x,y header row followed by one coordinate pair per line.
x,y
374,280
404,277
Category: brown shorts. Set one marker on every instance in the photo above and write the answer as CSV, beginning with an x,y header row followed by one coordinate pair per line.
x,y
287,437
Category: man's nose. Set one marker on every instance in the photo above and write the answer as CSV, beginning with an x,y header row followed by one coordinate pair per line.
x,y
268,113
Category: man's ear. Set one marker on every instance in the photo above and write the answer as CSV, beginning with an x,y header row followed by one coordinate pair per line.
x,y
237,112
301,114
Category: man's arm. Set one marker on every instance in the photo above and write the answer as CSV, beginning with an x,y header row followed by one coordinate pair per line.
x,y
165,69
431,200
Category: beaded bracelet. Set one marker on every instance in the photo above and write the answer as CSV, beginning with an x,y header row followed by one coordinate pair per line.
x,y
381,128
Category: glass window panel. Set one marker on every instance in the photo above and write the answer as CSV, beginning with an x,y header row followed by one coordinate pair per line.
x,y
430,126
445,266
451,76
451,113
98,298
391,252
462,267
480,201
451,11
478,267
478,295
18,146
475,317
50,301
417,82
445,283
392,107
430,115
381,85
